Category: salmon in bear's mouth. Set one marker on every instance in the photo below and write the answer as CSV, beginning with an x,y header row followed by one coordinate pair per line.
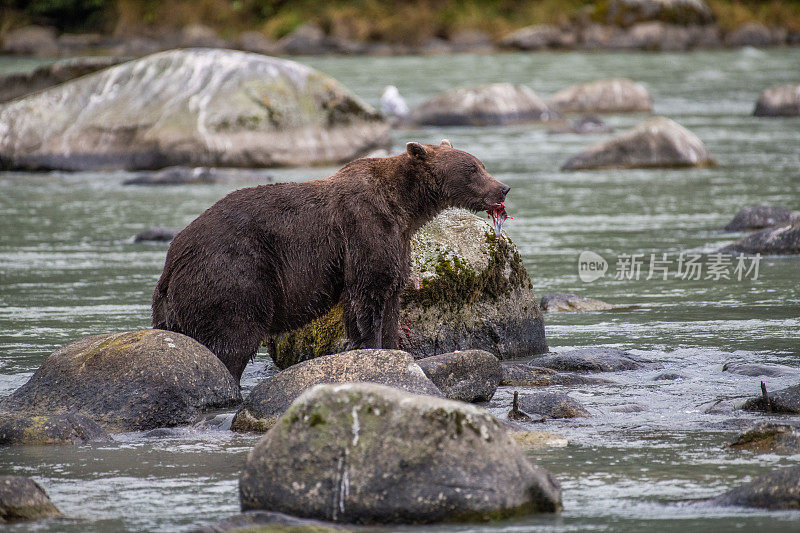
x,y
498,215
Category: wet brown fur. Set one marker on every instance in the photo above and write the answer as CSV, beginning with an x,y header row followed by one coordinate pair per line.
x,y
269,259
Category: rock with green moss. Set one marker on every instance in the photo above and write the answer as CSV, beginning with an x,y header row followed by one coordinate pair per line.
x,y
468,290
366,453
22,499
49,429
271,397
127,381
196,107
770,437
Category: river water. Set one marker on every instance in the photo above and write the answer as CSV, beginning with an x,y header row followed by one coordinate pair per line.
x,y
68,268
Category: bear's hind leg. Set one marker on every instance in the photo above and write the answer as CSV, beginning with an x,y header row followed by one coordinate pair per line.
x,y
237,346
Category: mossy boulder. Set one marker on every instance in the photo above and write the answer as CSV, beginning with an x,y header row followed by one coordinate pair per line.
x,y
468,290
779,101
128,381
778,490
770,437
271,397
49,429
615,95
482,105
468,375
365,453
22,499
656,143
196,107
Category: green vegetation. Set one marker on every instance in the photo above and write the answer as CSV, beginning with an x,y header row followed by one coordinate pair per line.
x,y
409,21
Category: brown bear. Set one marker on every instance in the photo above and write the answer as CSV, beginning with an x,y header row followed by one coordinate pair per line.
x,y
269,259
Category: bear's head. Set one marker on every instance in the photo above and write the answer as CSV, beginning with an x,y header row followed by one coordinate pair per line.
x,y
458,179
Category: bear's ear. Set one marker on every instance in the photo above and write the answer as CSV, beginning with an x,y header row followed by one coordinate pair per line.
x,y
416,150
446,143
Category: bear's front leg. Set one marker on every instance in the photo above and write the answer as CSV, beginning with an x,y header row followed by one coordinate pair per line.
x,y
391,322
363,316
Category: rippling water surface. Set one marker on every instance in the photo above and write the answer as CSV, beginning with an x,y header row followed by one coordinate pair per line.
x,y
69,268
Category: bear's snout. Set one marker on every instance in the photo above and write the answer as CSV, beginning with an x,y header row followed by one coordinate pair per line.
x,y
505,189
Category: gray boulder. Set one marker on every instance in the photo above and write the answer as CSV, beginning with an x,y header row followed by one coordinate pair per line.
x,y
755,35
782,401
194,107
49,429
591,360
770,437
469,375
482,105
756,217
527,375
614,95
127,381
779,101
156,234
539,37
553,406
271,397
656,143
15,85
760,369
256,42
629,12
562,302
778,490
783,240
22,499
468,290
372,454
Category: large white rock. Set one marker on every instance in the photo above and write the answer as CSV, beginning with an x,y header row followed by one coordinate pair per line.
x,y
615,95
197,107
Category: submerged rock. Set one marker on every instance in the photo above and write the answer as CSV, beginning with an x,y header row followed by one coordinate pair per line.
x,y
782,401
778,490
49,429
469,375
755,217
527,375
365,453
534,440
563,302
482,105
195,107
760,369
271,397
15,85
268,522
553,406
156,234
22,499
468,290
783,240
128,381
779,101
585,125
591,360
615,95
770,437
657,142
199,176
